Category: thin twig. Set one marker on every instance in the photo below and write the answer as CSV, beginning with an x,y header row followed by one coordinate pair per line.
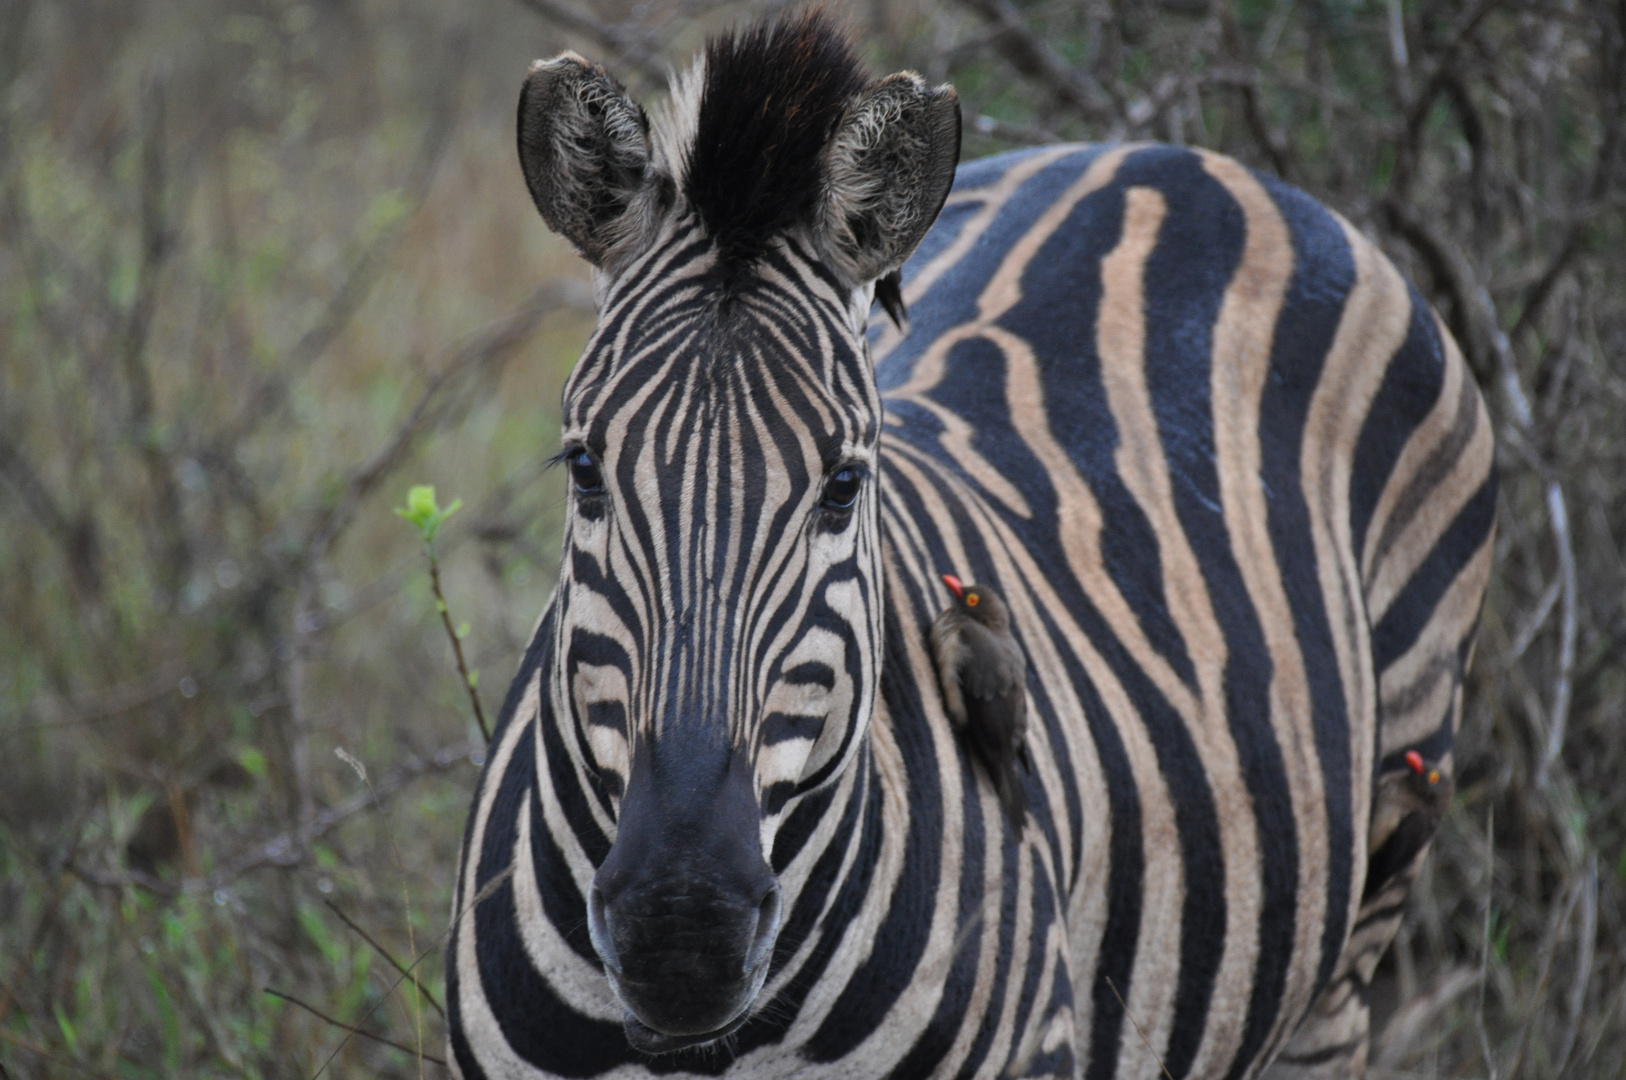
x,y
298,727
1138,1029
385,953
1563,682
363,1032
457,644
1398,53
1533,623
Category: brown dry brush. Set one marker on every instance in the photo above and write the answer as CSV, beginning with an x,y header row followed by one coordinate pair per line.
x,y
1481,142
243,304
254,281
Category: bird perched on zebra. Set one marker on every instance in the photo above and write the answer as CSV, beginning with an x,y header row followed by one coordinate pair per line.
x,y
1228,471
983,674
1406,814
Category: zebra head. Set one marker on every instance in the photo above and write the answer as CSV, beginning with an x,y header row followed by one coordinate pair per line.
x,y
718,614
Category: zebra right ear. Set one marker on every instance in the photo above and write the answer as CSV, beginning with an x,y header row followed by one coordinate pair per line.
x,y
584,148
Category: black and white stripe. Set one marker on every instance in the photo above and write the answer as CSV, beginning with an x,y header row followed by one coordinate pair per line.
x,y
1229,473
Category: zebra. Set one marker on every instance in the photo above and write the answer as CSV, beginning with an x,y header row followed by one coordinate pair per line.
x,y
1226,466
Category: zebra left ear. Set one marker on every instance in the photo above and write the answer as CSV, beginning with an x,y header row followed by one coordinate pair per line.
x,y
889,168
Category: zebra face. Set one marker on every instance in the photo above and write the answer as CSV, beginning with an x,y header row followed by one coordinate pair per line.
x,y
719,618
718,613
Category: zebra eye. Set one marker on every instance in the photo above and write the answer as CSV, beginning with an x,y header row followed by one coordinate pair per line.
x,y
584,473
841,489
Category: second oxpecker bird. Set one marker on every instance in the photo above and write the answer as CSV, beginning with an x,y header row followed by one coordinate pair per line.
x,y
1407,810
983,673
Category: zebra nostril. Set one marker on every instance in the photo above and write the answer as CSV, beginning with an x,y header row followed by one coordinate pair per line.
x,y
598,930
767,931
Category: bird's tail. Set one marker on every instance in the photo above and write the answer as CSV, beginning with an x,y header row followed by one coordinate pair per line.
x,y
1012,795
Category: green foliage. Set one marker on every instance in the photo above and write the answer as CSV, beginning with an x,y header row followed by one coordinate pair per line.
x,y
422,512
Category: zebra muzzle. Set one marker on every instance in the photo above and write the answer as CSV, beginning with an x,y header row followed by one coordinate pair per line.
x,y
684,911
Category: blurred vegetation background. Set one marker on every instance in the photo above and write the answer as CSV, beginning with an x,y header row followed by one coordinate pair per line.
x,y
264,264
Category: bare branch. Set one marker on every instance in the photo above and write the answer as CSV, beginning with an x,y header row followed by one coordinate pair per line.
x,y
1399,55
1034,58
289,849
271,396
365,1034
76,535
108,705
156,246
1533,623
1017,133
1558,719
385,953
626,41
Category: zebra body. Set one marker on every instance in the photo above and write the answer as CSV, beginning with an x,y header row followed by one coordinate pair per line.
x,y
1234,482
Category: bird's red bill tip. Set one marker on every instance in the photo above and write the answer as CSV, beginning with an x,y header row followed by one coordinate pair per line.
x,y
1415,760
954,584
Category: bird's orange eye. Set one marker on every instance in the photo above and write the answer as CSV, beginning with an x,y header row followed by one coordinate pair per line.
x,y
1434,776
971,599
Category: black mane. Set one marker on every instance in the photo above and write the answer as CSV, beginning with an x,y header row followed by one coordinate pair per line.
x,y
772,97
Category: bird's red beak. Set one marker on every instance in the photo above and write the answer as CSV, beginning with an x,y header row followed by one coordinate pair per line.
x,y
954,583
1415,760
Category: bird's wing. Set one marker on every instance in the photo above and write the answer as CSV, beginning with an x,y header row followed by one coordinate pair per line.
x,y
946,655
994,730
991,666
1396,853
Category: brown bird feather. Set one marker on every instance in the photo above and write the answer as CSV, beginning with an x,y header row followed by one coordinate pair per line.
x,y
1412,799
983,674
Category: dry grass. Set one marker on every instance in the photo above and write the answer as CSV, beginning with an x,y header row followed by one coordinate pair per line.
x,y
262,265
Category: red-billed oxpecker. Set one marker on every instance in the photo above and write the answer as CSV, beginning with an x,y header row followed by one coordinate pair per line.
x,y
1407,810
983,673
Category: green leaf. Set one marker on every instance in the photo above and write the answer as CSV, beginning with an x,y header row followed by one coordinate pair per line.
x,y
424,513
462,631
65,1025
474,679
252,760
